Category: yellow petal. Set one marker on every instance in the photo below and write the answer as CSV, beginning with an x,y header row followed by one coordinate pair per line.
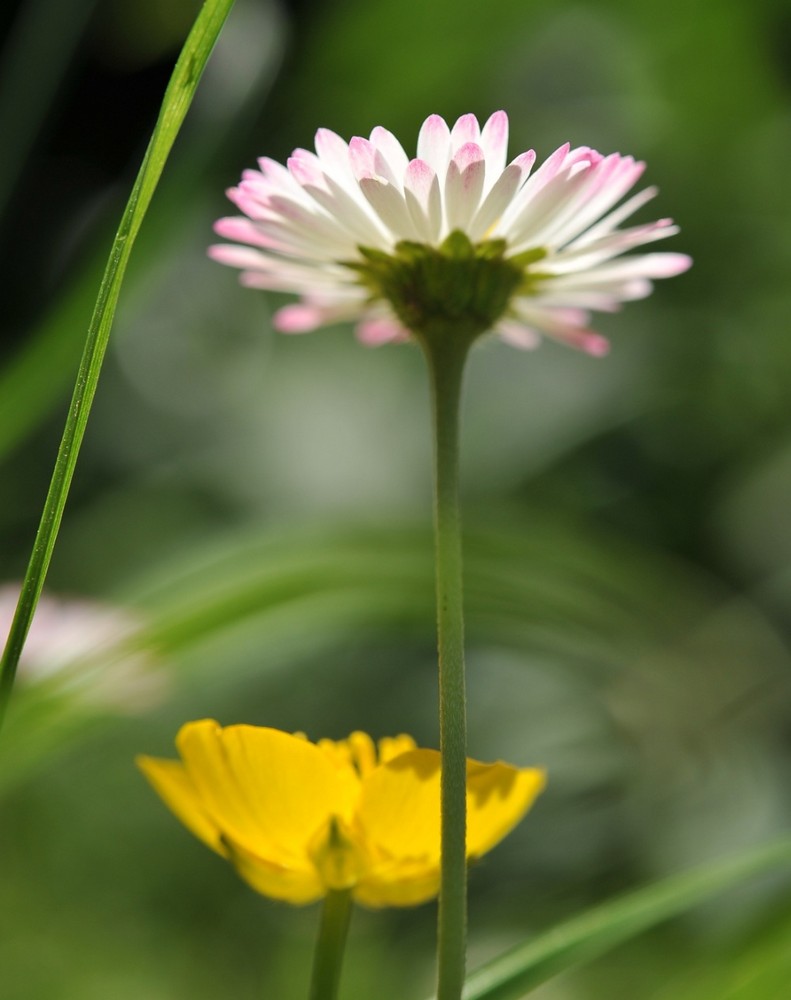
x,y
498,796
298,886
266,790
398,811
171,782
392,746
399,819
357,750
401,884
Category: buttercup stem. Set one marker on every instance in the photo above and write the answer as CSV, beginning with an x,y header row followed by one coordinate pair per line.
x,y
330,944
446,356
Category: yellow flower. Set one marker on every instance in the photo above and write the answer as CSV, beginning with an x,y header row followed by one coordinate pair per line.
x,y
298,819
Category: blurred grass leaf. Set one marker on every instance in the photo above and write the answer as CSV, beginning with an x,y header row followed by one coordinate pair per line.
x,y
759,970
605,608
178,97
585,937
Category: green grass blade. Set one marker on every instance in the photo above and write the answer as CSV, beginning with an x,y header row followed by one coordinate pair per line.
x,y
585,937
178,97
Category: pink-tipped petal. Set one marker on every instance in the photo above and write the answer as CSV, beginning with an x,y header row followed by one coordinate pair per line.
x,y
234,256
668,265
494,140
423,199
564,325
433,143
297,318
305,168
243,231
648,265
387,144
362,156
589,342
465,130
464,185
517,335
551,165
251,206
375,332
334,155
367,161
304,317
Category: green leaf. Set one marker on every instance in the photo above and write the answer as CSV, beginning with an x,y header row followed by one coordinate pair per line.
x,y
178,97
514,974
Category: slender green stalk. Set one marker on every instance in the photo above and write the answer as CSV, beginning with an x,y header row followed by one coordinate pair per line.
x,y
178,97
330,944
446,357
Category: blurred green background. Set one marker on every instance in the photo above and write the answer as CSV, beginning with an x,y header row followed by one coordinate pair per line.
x,y
262,503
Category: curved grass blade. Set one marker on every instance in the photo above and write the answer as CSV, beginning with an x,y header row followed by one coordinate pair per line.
x,y
176,102
760,969
585,937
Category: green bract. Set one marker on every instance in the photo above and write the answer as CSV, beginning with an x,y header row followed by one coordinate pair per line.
x,y
459,288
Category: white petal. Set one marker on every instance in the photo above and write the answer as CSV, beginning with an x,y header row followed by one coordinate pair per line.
x,y
391,148
273,178
602,301
302,317
423,201
465,130
589,255
517,334
610,180
609,222
539,214
325,229
334,155
389,204
647,265
530,189
558,325
244,230
500,196
494,141
378,330
336,201
433,144
236,256
464,185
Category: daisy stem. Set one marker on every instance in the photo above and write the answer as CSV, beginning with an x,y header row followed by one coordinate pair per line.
x,y
446,356
330,944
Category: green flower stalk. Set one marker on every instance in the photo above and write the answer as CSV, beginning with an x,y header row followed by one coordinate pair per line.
x,y
336,915
448,296
442,249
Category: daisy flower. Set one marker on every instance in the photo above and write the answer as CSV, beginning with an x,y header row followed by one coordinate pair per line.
x,y
455,236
